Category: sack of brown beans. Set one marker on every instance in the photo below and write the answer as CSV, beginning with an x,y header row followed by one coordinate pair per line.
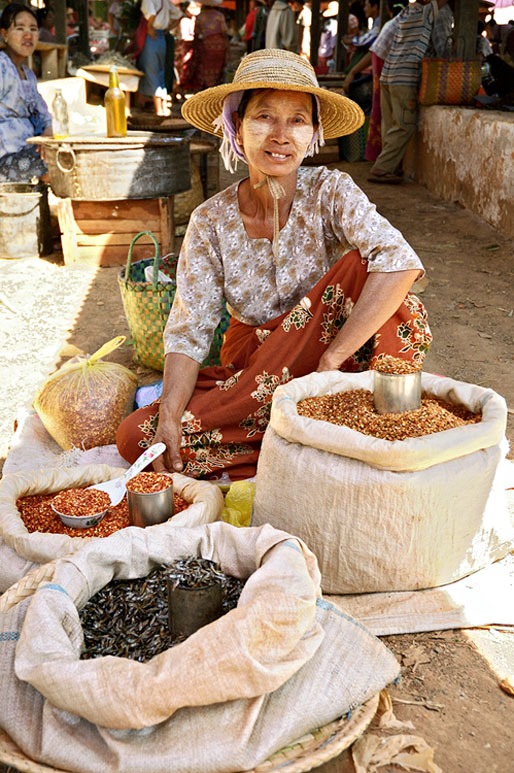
x,y
83,403
282,663
31,530
387,514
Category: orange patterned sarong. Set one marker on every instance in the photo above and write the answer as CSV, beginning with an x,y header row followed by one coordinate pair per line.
x,y
226,418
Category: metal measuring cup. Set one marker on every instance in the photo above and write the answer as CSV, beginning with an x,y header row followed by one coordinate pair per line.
x,y
191,608
396,392
150,508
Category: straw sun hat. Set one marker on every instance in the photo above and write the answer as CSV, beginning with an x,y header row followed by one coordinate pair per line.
x,y
273,68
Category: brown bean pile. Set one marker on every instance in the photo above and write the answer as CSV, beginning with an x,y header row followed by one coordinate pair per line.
x,y
355,409
78,502
149,482
37,515
395,365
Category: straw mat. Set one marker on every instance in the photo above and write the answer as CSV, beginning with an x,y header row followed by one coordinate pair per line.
x,y
306,753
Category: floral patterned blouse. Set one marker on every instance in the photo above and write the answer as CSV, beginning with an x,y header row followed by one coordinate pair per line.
x,y
330,215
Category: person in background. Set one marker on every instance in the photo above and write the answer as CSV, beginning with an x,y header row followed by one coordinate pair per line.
x,y
281,27
152,59
249,22
23,112
420,30
114,27
303,24
379,50
184,49
210,44
259,27
359,45
46,21
328,37
71,22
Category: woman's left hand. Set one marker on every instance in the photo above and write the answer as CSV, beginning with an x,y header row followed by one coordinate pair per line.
x,y
380,298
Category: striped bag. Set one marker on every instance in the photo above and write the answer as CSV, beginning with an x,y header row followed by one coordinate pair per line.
x,y
449,81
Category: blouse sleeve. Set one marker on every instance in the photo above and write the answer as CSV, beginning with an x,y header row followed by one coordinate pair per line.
x,y
355,220
197,306
39,104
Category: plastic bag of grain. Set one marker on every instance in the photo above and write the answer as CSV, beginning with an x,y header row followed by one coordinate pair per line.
x,y
280,664
387,515
84,402
205,505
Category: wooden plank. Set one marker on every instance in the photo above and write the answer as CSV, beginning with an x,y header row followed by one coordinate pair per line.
x,y
115,255
167,239
116,226
103,240
465,27
67,226
127,209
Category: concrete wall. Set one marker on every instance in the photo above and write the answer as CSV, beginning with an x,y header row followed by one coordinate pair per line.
x,y
467,155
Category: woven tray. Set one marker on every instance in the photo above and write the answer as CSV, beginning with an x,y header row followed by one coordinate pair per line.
x,y
305,754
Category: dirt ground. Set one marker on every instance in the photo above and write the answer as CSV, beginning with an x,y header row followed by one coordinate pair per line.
x,y
451,692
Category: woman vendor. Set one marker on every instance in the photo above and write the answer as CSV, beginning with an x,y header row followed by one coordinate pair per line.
x,y
313,277
23,112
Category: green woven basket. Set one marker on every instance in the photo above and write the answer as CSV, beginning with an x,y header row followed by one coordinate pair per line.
x,y
147,306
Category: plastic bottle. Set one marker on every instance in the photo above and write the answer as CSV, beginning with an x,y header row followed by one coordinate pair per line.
x,y
60,119
115,106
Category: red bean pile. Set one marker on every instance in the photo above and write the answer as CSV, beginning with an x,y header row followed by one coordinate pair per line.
x,y
395,365
355,409
149,482
37,515
79,502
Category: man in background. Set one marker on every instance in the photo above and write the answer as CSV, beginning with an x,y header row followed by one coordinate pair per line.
x,y
420,30
281,27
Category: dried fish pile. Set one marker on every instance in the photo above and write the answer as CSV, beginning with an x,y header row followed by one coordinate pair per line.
x,y
129,618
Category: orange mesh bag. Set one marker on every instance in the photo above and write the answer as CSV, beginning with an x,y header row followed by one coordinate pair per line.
x,y
84,402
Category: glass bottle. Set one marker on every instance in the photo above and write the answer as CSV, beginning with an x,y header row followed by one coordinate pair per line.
x,y
115,106
60,119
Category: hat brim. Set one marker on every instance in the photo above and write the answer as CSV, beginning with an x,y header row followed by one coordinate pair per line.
x,y
339,115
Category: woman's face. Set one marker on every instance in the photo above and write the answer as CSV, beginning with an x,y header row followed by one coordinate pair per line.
x,y
22,35
276,131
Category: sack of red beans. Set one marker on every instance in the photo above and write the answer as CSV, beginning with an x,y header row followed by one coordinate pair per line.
x,y
31,533
387,515
83,403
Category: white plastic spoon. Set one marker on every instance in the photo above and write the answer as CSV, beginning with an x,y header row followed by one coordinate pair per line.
x,y
116,487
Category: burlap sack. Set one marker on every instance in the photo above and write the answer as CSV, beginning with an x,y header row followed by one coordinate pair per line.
x,y
206,506
381,515
282,663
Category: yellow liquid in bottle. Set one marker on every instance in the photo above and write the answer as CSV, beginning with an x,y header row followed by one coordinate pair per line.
x,y
115,107
115,114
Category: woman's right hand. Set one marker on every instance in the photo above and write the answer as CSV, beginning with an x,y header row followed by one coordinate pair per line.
x,y
169,432
180,374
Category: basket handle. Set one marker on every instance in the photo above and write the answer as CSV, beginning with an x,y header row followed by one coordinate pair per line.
x,y
155,260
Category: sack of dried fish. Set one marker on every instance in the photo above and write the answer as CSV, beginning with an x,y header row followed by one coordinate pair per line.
x,y
282,663
386,514
30,528
84,402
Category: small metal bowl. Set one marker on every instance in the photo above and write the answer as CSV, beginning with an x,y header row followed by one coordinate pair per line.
x,y
151,508
396,392
80,521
